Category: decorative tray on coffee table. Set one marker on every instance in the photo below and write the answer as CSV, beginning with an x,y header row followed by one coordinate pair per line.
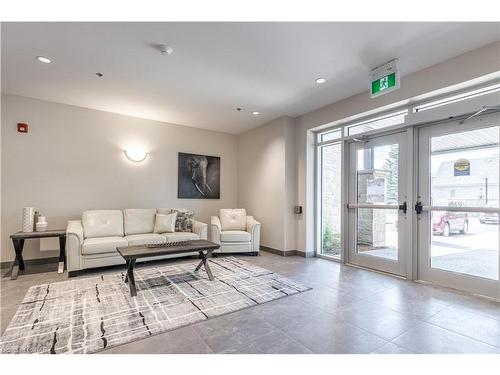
x,y
168,244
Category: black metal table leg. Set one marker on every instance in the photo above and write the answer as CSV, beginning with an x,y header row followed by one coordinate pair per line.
x,y
127,264
21,260
62,254
130,277
202,257
18,261
204,262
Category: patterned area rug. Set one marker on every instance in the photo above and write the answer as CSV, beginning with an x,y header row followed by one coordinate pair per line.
x,y
89,314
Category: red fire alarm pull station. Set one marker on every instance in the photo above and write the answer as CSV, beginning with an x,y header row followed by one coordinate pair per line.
x,y
22,127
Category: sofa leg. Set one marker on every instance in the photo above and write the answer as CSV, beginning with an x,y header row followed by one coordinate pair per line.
x,y
255,253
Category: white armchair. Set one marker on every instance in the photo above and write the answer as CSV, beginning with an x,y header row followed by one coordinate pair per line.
x,y
235,232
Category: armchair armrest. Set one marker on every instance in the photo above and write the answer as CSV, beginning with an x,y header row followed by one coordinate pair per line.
x,y
253,227
74,241
215,229
201,229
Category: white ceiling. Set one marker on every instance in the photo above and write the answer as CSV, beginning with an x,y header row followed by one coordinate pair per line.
x,y
216,67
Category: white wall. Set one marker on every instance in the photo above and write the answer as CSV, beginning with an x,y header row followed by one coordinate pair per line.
x,y
71,160
266,180
473,66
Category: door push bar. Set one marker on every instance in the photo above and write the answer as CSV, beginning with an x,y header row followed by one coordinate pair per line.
x,y
419,208
402,207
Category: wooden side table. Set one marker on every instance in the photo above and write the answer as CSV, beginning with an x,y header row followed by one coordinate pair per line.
x,y
18,241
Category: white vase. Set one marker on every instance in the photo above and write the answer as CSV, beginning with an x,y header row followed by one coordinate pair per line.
x,y
28,217
42,224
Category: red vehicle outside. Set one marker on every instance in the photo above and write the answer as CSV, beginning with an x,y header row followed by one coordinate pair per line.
x,y
446,223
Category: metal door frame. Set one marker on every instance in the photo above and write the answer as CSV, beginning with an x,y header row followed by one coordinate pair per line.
x,y
401,267
424,271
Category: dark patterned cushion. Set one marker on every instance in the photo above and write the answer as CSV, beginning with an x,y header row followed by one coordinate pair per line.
x,y
184,221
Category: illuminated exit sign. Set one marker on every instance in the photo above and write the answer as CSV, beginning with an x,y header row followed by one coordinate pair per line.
x,y
384,79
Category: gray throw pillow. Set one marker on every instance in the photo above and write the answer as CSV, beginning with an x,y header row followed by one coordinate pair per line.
x,y
184,221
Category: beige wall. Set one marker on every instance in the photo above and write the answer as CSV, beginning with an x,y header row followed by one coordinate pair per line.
x,y
474,66
71,160
266,180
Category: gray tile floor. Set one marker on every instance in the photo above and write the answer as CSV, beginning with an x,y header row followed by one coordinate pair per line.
x,y
349,310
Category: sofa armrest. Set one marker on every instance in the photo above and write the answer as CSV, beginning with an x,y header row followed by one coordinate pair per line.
x,y
201,229
253,227
74,241
215,229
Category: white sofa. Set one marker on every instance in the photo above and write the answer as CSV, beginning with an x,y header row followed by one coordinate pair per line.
x,y
235,232
92,241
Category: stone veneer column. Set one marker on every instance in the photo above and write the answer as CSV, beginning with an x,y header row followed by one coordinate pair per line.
x,y
371,223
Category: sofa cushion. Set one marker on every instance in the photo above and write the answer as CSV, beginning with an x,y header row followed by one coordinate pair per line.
x,y
100,245
181,236
145,239
235,236
139,221
233,219
165,223
102,223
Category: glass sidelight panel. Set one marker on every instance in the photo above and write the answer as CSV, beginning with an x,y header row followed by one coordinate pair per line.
x,y
331,185
464,170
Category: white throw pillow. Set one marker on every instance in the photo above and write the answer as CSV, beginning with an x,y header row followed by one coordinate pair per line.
x,y
165,223
233,219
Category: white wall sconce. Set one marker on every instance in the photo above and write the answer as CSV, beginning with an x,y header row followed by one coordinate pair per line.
x,y
136,155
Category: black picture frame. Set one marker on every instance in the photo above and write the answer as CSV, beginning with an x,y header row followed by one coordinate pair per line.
x,y
198,176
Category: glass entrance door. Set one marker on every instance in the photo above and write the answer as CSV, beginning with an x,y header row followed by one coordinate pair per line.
x,y
458,191
377,203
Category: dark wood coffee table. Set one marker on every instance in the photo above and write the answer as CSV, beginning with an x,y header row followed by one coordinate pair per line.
x,y
132,253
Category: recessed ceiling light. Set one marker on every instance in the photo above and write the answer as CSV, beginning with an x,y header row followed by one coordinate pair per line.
x,y
165,49
320,80
44,59
255,113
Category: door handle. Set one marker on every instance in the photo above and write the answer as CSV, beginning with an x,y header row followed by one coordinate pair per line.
x,y
403,207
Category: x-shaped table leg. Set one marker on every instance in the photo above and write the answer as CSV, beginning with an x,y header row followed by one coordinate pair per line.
x,y
204,262
129,277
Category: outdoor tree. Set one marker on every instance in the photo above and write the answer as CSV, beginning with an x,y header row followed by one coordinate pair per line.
x,y
391,166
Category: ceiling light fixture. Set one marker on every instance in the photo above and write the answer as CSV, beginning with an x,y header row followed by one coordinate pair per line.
x,y
44,59
255,113
163,48
320,80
